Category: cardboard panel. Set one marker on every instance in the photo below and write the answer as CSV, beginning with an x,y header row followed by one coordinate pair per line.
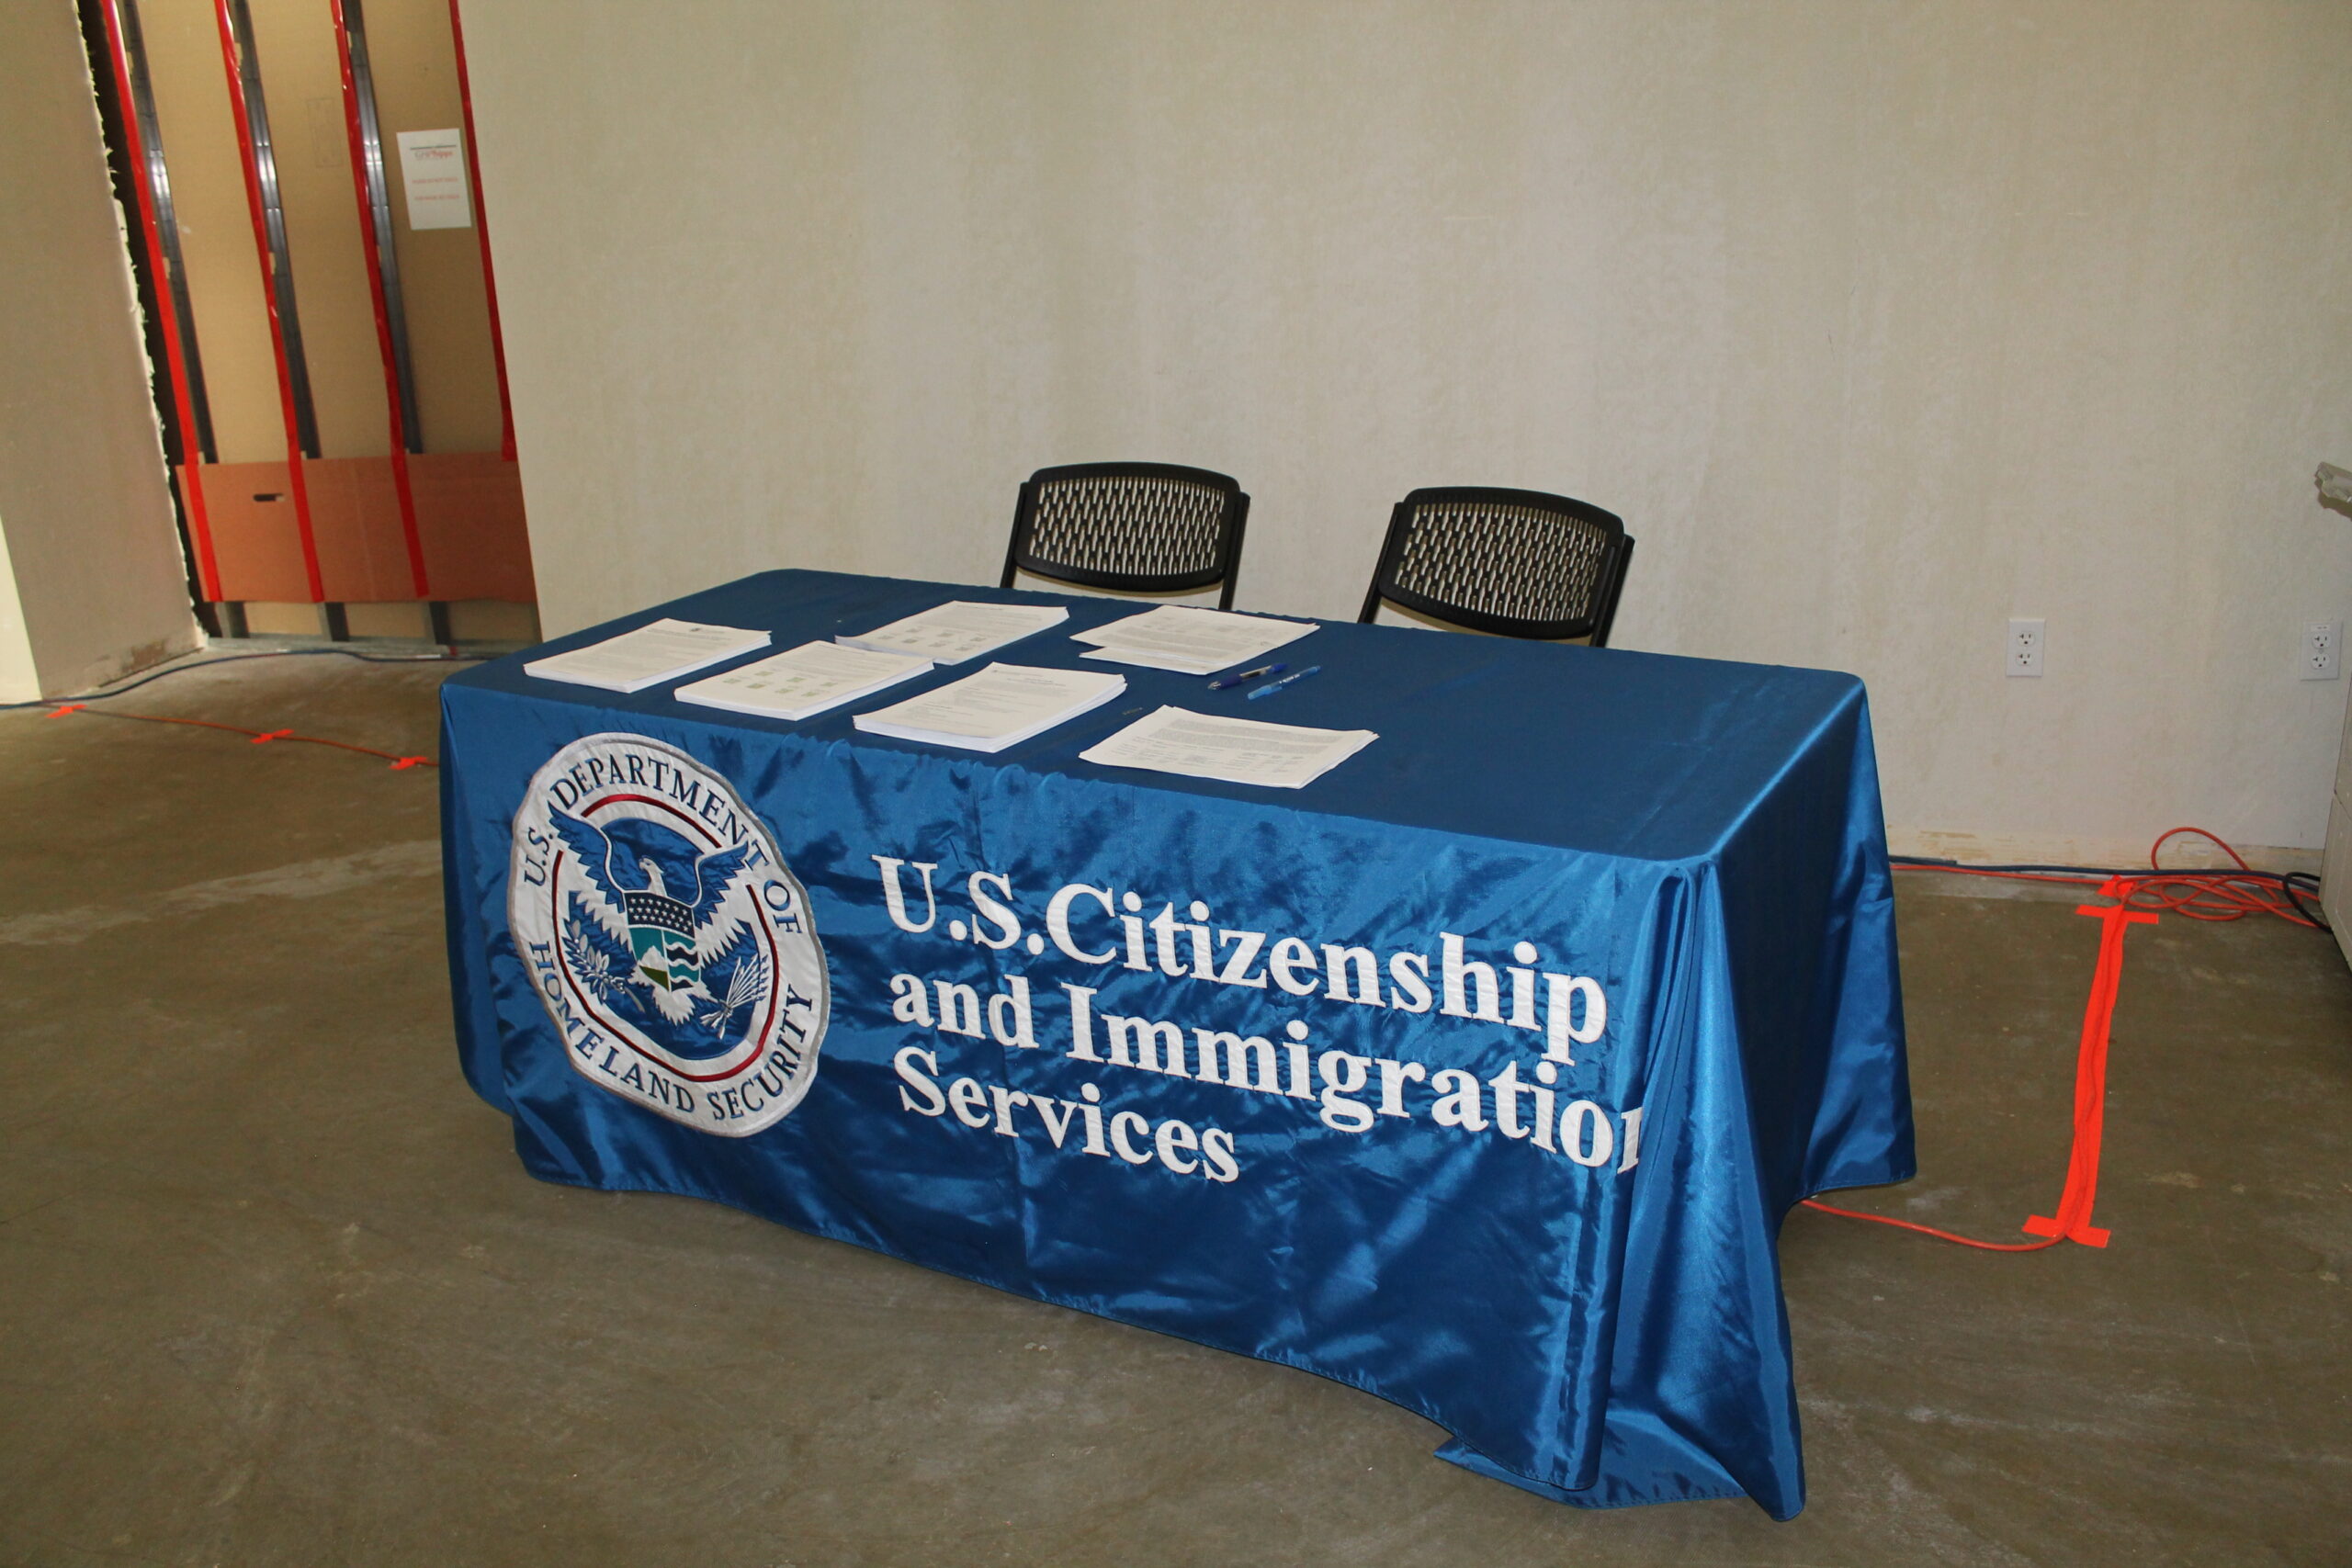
x,y
355,518
302,78
251,507
449,311
468,513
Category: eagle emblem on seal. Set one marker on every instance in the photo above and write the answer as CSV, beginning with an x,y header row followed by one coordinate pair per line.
x,y
630,930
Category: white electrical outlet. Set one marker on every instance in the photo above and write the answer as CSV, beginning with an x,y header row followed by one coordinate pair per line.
x,y
2025,647
2322,641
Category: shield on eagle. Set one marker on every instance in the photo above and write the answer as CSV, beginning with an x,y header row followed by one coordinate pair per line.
x,y
661,934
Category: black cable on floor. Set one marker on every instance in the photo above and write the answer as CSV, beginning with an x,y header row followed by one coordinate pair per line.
x,y
241,658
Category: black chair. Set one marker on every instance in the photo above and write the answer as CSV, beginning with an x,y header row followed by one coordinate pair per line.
x,y
1517,562
1143,527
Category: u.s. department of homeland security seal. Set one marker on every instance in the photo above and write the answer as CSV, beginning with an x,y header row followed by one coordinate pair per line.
x,y
666,936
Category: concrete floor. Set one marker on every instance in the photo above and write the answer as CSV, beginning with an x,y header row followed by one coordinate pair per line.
x,y
273,1288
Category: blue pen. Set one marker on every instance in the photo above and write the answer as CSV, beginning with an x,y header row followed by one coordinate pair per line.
x,y
1246,676
1268,690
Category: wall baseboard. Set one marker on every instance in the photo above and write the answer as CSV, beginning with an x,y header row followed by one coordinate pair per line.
x,y
2031,849
123,663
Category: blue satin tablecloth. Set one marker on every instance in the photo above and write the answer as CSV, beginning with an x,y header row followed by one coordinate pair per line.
x,y
1554,999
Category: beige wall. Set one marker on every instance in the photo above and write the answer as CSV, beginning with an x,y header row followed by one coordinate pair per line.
x,y
91,580
19,676
1881,323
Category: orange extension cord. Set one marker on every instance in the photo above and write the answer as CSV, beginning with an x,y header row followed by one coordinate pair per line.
x,y
2199,895
2138,898
259,737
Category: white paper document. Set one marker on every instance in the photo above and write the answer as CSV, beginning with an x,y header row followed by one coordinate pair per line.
x,y
1239,750
959,630
660,652
433,172
1188,640
1003,706
803,682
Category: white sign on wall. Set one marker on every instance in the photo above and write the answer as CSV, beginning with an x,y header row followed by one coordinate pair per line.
x,y
433,172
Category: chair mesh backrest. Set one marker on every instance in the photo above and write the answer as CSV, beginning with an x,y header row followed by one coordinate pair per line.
x,y
1504,558
1143,526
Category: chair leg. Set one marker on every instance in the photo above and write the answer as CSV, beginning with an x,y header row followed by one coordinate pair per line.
x,y
1608,616
1235,533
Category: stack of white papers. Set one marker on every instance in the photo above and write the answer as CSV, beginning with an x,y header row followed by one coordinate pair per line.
x,y
1239,750
1003,706
959,630
660,651
803,682
1188,640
